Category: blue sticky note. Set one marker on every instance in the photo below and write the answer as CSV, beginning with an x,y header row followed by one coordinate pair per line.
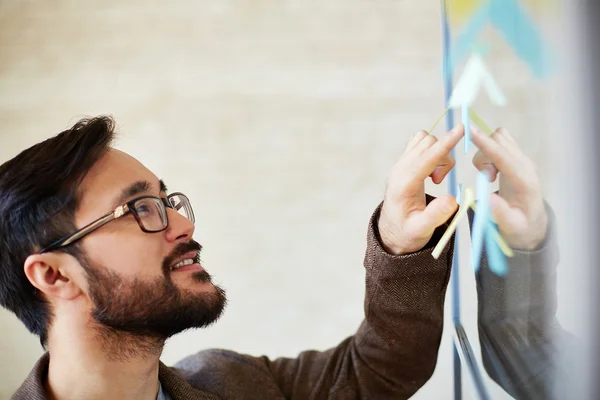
x,y
482,217
464,43
495,257
483,49
466,120
513,23
518,29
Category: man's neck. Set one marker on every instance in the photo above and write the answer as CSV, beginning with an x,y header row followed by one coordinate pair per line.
x,y
102,367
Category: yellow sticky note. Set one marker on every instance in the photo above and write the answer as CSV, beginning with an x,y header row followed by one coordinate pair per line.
x,y
462,211
438,120
461,10
508,252
480,122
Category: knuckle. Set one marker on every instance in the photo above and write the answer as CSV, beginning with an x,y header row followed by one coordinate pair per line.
x,y
451,162
416,139
503,131
419,135
430,139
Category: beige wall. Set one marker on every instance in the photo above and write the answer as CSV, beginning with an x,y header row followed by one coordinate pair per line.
x,y
279,118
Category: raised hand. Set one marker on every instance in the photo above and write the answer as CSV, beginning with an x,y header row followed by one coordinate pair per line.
x,y
519,207
407,222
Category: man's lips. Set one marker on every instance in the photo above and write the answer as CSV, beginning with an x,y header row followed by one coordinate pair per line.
x,y
192,255
190,267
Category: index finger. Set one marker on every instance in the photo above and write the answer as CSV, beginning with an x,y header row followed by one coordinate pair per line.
x,y
498,154
449,141
438,151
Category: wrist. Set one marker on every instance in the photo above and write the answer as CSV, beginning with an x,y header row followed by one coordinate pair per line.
x,y
533,238
388,236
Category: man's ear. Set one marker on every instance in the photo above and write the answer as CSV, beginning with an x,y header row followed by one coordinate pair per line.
x,y
52,274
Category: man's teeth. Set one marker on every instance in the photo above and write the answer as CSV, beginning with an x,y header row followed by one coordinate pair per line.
x,y
189,261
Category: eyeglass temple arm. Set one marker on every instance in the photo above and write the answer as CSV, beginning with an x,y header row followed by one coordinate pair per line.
x,y
118,212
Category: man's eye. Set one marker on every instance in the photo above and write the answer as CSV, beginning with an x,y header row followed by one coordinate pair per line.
x,y
143,209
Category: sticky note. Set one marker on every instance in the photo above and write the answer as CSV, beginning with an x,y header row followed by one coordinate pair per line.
x,y
482,217
480,122
496,260
439,119
491,87
461,10
468,84
464,42
500,241
466,120
508,252
514,25
474,76
520,32
462,211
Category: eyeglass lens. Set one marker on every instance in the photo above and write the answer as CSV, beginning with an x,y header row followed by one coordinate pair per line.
x,y
181,204
153,215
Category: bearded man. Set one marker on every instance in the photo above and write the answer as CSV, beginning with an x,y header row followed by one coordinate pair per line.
x,y
98,259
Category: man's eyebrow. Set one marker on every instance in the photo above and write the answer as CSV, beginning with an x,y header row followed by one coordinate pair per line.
x,y
134,189
163,187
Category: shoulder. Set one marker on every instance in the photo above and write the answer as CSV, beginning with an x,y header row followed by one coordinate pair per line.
x,y
215,358
227,372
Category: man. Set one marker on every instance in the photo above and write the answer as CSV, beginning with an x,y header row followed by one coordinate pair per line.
x,y
99,261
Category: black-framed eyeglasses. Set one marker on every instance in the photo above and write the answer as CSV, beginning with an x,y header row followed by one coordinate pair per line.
x,y
150,213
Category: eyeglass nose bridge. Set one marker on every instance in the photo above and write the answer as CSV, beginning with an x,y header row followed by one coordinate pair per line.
x,y
166,202
184,203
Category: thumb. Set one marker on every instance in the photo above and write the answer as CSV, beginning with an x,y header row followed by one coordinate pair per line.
x,y
438,211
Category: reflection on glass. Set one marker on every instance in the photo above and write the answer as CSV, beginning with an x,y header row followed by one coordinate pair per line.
x,y
521,339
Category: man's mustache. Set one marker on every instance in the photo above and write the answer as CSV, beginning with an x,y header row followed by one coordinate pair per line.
x,y
180,250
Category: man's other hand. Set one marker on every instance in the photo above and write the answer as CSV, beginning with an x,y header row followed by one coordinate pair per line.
x,y
519,207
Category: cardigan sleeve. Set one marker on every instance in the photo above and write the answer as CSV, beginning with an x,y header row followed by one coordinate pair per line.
x,y
521,339
394,351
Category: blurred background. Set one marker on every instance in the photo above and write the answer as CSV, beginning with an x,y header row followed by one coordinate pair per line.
x,y
280,119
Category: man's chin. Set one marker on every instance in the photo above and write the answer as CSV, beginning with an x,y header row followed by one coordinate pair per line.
x,y
209,304
157,309
201,277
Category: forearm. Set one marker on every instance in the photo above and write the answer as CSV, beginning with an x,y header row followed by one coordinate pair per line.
x,y
394,351
519,333
404,308
527,293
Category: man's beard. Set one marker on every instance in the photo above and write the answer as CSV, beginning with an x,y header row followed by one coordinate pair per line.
x,y
149,312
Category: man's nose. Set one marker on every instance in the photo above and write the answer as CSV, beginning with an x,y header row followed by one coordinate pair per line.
x,y
180,228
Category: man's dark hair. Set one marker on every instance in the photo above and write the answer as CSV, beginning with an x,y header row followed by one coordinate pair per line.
x,y
38,199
